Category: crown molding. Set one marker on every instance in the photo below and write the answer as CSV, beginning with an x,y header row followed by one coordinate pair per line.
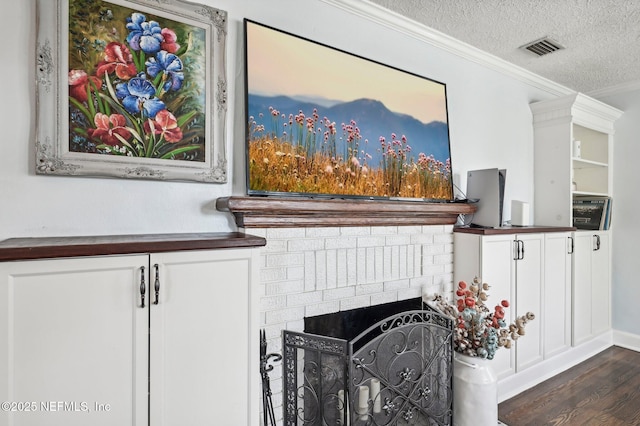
x,y
577,108
411,28
630,86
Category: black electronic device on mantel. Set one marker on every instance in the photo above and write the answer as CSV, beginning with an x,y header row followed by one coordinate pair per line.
x,y
487,186
322,122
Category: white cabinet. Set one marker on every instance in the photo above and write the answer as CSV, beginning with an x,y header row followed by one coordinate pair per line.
x,y
561,173
512,264
79,344
533,271
591,285
557,123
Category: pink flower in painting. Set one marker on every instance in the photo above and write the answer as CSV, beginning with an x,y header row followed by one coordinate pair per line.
x,y
310,123
169,44
107,127
78,84
165,124
117,57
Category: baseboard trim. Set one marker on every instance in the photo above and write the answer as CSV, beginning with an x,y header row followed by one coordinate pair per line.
x,y
527,378
626,340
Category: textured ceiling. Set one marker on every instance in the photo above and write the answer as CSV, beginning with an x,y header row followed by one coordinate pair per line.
x,y
601,37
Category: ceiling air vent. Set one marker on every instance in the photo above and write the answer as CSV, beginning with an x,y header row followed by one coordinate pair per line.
x,y
543,46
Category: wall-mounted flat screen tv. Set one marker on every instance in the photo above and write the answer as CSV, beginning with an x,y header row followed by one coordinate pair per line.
x,y
322,122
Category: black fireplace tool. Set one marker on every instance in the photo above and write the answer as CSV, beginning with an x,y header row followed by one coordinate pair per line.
x,y
265,368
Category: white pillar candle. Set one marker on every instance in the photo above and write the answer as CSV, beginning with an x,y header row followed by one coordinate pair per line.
x,y
375,395
341,407
363,401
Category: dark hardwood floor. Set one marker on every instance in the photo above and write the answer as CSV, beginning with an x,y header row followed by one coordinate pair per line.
x,y
603,390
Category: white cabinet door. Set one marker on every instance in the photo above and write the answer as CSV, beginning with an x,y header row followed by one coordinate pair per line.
x,y
73,342
528,297
556,318
600,284
204,354
498,270
591,285
491,258
581,290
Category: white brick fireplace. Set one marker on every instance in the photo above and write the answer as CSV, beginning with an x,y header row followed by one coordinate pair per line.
x,y
329,255
314,271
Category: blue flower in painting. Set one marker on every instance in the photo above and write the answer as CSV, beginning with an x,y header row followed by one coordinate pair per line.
x,y
143,35
170,65
139,95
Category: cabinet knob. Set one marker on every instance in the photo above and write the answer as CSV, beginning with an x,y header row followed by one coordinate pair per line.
x,y
596,240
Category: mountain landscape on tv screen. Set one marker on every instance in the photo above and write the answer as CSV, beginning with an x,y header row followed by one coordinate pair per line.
x,y
372,117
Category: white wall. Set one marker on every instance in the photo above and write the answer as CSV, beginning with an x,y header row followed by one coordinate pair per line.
x,y
626,205
490,126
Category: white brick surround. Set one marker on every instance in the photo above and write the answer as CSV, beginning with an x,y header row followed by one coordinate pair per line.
x,y
315,271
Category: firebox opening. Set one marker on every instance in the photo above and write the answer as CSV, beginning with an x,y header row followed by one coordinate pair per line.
x,y
349,324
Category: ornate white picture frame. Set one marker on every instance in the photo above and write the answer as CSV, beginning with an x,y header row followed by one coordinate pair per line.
x,y
131,89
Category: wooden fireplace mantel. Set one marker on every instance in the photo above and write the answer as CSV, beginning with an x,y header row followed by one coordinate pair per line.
x,y
267,212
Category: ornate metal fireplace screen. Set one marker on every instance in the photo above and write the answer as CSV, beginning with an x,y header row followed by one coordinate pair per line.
x,y
397,372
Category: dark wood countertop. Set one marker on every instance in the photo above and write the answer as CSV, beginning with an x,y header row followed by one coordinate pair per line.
x,y
512,230
53,247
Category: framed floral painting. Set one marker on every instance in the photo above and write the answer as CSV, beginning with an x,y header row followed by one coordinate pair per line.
x,y
131,89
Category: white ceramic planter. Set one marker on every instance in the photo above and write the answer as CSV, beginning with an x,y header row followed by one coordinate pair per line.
x,y
475,392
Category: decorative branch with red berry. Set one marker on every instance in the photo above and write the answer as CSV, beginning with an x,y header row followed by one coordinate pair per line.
x,y
480,331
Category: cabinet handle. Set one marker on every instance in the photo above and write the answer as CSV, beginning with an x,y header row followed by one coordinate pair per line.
x,y
156,284
518,253
571,245
143,287
597,242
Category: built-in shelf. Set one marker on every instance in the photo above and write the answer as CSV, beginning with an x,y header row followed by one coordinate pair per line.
x,y
573,141
590,194
267,212
580,163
